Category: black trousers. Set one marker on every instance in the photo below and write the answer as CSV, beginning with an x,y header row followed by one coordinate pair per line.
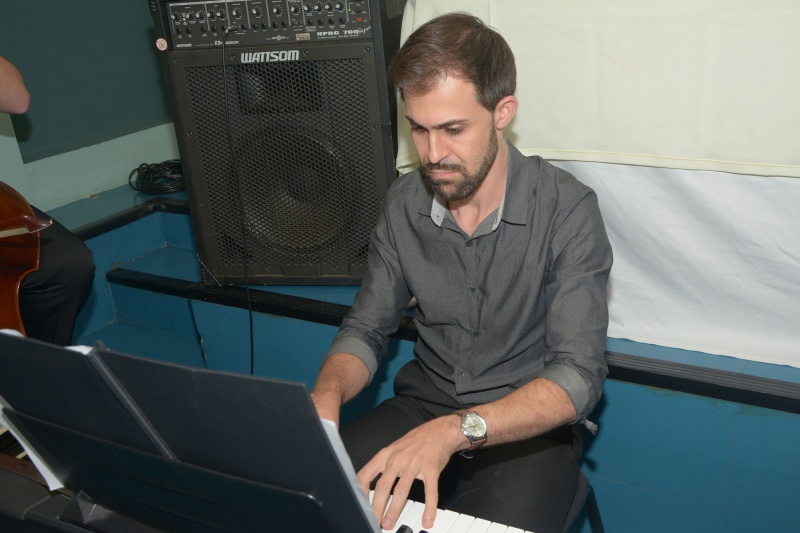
x,y
527,484
51,297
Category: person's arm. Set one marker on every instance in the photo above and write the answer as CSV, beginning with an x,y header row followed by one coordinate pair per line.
x,y
14,97
361,341
341,377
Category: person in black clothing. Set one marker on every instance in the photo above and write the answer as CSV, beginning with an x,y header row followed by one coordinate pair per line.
x,y
51,297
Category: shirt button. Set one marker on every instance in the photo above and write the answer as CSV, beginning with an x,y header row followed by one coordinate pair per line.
x,y
469,243
475,333
472,289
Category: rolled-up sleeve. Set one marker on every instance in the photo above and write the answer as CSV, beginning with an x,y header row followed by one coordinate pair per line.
x,y
577,304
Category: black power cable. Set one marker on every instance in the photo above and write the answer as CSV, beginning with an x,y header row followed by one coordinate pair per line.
x,y
157,178
238,180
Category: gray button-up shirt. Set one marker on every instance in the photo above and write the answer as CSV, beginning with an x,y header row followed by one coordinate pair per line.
x,y
523,296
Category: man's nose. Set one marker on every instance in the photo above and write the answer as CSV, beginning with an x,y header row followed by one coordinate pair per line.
x,y
437,148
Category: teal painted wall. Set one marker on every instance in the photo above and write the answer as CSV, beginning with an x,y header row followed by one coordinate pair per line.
x,y
91,68
98,102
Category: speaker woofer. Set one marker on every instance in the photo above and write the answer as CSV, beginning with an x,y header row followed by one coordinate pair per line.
x,y
296,203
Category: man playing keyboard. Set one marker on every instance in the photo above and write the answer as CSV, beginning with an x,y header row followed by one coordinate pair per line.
x,y
508,260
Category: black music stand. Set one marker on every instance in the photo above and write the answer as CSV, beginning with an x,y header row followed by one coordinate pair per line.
x,y
177,448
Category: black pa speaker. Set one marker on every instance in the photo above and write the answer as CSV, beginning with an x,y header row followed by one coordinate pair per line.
x,y
284,125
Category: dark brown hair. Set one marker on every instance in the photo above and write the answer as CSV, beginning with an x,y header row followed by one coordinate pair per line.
x,y
458,45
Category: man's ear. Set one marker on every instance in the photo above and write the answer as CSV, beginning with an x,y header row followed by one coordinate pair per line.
x,y
504,111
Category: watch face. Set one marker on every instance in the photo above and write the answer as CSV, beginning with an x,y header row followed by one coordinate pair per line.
x,y
474,425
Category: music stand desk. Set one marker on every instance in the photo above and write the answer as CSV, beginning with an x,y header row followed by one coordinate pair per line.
x,y
177,448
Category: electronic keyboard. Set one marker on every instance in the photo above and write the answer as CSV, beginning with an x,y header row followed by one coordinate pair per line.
x,y
445,522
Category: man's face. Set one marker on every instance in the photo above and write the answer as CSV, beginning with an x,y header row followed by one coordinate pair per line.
x,y
455,138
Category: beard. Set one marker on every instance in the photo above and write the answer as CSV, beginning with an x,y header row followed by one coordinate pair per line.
x,y
450,190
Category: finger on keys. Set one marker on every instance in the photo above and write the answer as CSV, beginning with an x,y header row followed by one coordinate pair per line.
x,y
381,499
431,501
444,522
402,520
397,504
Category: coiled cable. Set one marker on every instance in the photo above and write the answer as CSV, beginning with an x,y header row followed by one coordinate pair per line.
x,y
157,178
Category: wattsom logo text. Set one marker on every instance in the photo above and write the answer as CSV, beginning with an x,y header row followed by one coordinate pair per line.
x,y
267,57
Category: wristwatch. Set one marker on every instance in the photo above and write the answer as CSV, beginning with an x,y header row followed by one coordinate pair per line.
x,y
475,429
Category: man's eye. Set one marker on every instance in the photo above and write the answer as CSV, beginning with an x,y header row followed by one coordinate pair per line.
x,y
454,131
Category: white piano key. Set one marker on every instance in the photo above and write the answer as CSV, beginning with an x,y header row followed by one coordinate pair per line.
x,y
496,528
413,515
514,530
461,524
479,526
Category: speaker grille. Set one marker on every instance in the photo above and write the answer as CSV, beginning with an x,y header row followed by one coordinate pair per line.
x,y
302,153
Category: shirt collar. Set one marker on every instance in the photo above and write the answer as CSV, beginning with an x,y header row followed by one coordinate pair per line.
x,y
514,205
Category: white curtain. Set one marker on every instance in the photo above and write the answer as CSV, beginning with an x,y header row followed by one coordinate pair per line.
x,y
693,84
703,260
